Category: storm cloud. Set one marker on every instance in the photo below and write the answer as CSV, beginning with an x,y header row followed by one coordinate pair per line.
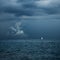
x,y
28,7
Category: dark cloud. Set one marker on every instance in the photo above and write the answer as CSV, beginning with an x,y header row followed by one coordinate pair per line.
x,y
8,17
29,7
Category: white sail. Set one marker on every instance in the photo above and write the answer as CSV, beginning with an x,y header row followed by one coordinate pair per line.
x,y
42,38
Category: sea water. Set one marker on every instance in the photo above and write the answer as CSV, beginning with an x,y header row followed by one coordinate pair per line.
x,y
29,49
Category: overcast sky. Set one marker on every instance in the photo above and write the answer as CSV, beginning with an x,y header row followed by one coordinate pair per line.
x,y
29,19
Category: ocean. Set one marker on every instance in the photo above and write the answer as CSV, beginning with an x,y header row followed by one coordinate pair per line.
x,y
29,49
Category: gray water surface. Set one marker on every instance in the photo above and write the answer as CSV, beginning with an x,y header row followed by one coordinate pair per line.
x,y
29,50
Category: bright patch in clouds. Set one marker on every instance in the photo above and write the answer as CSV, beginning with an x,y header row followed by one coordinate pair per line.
x,y
47,3
43,2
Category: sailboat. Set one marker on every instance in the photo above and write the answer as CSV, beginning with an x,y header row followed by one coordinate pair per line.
x,y
42,38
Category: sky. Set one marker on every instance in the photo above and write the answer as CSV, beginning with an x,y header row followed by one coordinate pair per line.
x,y
29,19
